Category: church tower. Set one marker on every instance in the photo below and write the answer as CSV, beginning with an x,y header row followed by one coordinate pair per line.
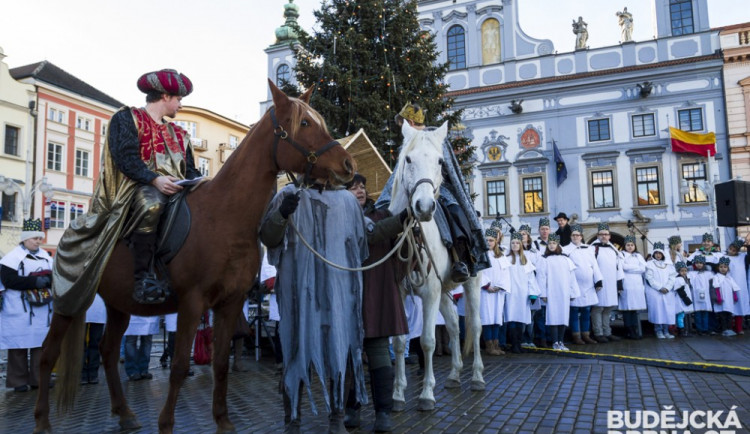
x,y
280,54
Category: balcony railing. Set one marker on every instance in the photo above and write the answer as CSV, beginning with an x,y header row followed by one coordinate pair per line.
x,y
199,144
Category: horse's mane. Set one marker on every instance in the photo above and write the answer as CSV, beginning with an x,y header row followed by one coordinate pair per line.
x,y
405,149
299,110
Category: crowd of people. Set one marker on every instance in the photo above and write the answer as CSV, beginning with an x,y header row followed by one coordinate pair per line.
x,y
552,286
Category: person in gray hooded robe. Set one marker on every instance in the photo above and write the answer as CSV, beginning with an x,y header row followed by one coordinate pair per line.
x,y
320,306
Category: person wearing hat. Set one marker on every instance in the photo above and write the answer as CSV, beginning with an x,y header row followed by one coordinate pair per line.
x,y
589,279
738,271
709,250
383,313
143,157
701,278
726,297
563,228
660,277
633,296
558,285
683,289
23,327
413,114
675,250
610,264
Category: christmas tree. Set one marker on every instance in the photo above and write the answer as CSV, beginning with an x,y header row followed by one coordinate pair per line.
x,y
368,58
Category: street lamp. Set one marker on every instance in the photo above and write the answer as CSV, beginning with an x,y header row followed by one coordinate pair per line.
x,y
9,186
692,187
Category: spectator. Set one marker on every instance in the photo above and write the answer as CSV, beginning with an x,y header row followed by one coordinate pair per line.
x,y
96,317
138,357
563,229
24,327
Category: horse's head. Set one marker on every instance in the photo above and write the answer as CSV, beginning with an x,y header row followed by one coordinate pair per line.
x,y
419,173
304,144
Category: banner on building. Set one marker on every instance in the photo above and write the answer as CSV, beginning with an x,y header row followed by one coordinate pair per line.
x,y
701,144
562,171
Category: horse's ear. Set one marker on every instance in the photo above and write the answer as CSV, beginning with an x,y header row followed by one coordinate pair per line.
x,y
305,97
442,131
407,131
276,94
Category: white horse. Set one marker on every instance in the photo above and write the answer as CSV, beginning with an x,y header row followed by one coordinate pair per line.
x,y
416,184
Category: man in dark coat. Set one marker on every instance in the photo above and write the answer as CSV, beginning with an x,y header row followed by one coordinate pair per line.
x,y
383,312
563,229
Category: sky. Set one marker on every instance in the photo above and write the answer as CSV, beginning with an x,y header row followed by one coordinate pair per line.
x,y
219,44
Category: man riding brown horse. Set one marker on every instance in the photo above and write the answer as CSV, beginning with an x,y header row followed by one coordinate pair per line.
x,y
143,158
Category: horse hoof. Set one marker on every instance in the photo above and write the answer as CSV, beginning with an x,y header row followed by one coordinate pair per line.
x,y
426,405
477,386
452,384
399,406
129,424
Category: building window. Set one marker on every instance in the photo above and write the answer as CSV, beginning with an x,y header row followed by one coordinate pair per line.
x,y
9,207
496,198
533,195
456,48
57,214
598,130
234,141
54,156
82,162
603,189
76,210
55,115
643,125
204,166
11,140
681,16
83,123
104,129
690,119
190,127
647,185
692,173
283,73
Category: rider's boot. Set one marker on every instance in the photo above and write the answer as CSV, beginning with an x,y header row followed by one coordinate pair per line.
x,y
459,270
149,289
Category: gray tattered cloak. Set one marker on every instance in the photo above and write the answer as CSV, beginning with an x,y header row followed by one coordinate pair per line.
x,y
320,306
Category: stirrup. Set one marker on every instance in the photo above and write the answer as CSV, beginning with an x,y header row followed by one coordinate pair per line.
x,y
459,272
149,289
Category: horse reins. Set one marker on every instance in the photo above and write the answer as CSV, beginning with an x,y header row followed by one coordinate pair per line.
x,y
311,156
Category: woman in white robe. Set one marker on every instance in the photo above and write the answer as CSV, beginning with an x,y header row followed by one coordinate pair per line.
x,y
495,284
557,287
739,273
589,279
523,288
633,296
660,276
24,327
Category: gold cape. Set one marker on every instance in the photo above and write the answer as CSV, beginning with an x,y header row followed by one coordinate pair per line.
x,y
87,244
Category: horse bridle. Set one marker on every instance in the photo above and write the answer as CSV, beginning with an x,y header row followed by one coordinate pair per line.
x,y
418,183
311,156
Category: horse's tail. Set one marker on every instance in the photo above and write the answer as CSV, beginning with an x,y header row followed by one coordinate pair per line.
x,y
69,364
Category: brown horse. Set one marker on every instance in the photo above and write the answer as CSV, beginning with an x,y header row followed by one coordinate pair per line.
x,y
214,268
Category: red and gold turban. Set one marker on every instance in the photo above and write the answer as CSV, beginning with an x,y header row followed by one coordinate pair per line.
x,y
166,81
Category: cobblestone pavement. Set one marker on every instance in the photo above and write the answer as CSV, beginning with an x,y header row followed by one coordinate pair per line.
x,y
525,393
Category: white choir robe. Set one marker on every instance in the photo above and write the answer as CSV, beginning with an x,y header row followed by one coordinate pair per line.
x,y
701,297
610,264
661,307
558,285
679,305
587,273
728,288
739,274
492,305
523,284
633,296
97,312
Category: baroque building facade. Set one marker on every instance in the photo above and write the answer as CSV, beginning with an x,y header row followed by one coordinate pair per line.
x,y
606,109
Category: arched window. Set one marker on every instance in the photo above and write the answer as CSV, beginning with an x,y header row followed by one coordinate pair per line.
x,y
456,48
283,74
490,41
